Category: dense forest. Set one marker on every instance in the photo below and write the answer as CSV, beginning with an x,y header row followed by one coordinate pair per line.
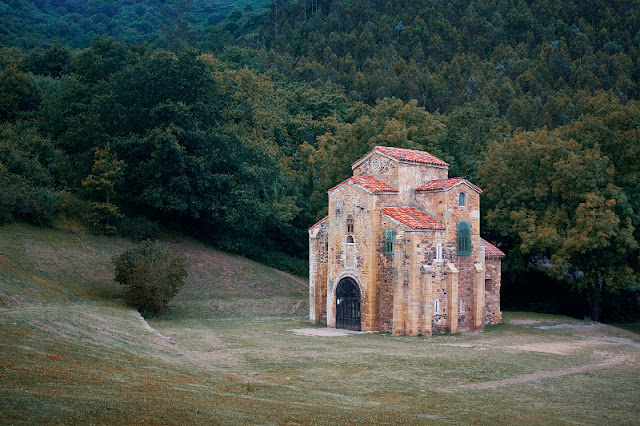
x,y
231,121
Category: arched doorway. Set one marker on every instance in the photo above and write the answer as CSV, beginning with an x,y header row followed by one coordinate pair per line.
x,y
348,304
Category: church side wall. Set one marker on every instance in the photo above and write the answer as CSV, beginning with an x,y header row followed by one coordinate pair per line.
x,y
438,277
385,263
318,275
355,259
493,277
445,208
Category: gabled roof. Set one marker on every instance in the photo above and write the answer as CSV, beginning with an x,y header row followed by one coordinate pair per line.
x,y
404,155
490,250
321,221
446,184
413,218
369,183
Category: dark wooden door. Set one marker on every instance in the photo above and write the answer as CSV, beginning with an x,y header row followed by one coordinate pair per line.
x,y
348,304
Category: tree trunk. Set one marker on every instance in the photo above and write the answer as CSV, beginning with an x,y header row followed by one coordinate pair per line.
x,y
596,299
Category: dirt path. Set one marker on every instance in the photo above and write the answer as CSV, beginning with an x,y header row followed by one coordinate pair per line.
x,y
546,374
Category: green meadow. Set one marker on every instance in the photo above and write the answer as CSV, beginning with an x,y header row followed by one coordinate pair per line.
x,y
72,352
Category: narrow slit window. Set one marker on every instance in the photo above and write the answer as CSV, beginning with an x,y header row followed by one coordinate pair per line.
x,y
439,252
462,201
436,306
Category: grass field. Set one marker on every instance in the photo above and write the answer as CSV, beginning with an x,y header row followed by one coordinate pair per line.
x,y
72,352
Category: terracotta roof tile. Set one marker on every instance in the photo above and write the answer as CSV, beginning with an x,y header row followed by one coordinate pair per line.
x,y
446,184
412,217
403,154
369,183
324,219
491,251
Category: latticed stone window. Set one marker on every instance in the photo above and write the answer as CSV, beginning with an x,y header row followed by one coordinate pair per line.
x,y
464,237
389,238
349,225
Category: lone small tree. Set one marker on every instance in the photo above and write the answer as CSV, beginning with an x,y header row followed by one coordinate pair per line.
x,y
105,174
152,275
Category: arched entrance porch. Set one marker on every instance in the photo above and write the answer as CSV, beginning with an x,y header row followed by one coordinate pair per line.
x,y
348,313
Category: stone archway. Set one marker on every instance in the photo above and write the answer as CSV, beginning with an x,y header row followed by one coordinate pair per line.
x,y
348,306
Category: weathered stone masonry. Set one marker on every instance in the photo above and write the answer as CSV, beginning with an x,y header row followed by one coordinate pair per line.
x,y
400,250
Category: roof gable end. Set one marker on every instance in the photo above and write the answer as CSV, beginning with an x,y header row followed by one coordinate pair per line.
x,y
447,184
491,251
320,222
368,183
404,155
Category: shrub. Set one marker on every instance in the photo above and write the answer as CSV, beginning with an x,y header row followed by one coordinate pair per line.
x,y
152,275
38,205
138,228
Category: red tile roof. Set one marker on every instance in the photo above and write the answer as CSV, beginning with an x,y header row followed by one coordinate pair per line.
x,y
491,251
324,219
369,183
412,217
446,184
402,154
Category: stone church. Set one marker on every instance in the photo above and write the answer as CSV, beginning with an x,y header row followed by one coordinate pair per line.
x,y
400,250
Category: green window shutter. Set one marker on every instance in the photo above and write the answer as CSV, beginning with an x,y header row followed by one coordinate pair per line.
x,y
464,237
389,238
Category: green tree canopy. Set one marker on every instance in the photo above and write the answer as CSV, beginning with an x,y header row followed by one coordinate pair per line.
x,y
565,199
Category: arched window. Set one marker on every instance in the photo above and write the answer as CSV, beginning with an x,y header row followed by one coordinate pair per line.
x,y
464,237
350,253
462,201
349,225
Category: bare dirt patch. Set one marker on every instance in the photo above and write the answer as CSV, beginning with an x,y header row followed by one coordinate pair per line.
x,y
560,348
324,332
523,321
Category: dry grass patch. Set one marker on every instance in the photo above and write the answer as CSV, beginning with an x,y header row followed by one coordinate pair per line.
x,y
71,352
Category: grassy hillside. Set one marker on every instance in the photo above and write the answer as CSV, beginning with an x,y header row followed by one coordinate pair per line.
x,y
71,352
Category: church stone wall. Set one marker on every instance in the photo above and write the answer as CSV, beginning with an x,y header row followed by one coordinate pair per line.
x,y
493,314
353,259
399,289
